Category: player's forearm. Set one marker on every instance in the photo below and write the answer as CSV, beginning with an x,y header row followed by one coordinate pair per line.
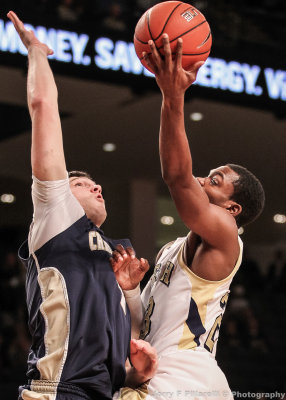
x,y
47,156
175,156
135,306
41,84
134,378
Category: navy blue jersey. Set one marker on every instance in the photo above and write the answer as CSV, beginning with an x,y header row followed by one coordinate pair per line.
x,y
78,318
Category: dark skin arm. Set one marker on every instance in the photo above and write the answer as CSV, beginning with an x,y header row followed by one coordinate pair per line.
x,y
129,270
215,257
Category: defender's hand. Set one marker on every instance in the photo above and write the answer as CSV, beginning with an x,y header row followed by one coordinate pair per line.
x,y
129,271
144,359
28,37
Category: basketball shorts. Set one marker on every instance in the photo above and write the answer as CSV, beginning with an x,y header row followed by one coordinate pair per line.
x,y
184,375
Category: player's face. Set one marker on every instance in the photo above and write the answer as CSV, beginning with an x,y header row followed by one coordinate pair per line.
x,y
219,185
89,195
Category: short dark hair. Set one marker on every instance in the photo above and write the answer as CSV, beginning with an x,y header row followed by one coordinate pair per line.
x,y
249,193
78,174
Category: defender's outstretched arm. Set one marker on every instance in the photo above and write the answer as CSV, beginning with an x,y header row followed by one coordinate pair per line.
x,y
47,154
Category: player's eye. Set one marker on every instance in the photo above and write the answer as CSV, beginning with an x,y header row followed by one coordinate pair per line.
x,y
78,184
213,181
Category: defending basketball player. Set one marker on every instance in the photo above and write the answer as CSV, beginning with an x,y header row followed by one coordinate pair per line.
x,y
185,299
78,319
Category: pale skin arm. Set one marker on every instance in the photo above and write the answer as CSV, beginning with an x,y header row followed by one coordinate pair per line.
x,y
212,223
145,362
47,153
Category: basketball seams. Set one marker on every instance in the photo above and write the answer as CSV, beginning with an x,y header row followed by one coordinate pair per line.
x,y
148,25
194,27
169,16
167,20
193,54
186,54
183,34
179,36
138,40
197,39
149,28
183,54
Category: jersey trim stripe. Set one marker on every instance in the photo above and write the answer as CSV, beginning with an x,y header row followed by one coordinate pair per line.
x,y
194,276
57,324
202,292
194,321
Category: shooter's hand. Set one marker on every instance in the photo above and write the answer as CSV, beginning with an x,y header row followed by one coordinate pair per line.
x,y
172,79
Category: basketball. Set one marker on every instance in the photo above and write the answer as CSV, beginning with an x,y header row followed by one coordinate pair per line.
x,y
178,20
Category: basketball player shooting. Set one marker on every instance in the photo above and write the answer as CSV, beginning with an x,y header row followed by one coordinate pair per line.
x,y
186,297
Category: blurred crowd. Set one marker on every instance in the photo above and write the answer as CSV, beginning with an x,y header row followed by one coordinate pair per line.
x,y
14,335
251,345
232,22
251,342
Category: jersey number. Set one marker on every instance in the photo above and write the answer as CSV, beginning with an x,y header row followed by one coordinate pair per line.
x,y
147,321
210,340
167,273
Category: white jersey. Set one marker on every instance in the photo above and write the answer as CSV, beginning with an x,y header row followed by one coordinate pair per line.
x,y
181,307
183,314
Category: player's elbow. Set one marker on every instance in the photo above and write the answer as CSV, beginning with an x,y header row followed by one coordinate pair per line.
x,y
40,105
37,102
168,173
175,171
40,98
169,180
172,177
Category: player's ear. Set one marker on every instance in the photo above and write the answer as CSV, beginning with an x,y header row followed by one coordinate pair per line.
x,y
233,207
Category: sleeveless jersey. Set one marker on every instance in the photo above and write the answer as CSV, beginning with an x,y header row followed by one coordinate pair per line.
x,y
181,307
183,313
78,318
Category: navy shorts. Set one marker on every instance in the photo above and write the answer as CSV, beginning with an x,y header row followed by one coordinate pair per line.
x,y
57,391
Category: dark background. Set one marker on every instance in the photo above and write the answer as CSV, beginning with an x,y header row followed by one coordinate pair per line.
x,y
105,106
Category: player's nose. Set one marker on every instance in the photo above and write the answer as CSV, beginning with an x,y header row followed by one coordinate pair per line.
x,y
97,189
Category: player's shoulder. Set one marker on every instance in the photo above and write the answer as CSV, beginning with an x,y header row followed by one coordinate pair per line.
x,y
55,210
168,245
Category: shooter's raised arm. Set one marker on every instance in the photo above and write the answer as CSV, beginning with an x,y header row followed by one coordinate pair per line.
x,y
192,202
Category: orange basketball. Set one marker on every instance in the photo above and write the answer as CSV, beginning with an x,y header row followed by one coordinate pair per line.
x,y
178,20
